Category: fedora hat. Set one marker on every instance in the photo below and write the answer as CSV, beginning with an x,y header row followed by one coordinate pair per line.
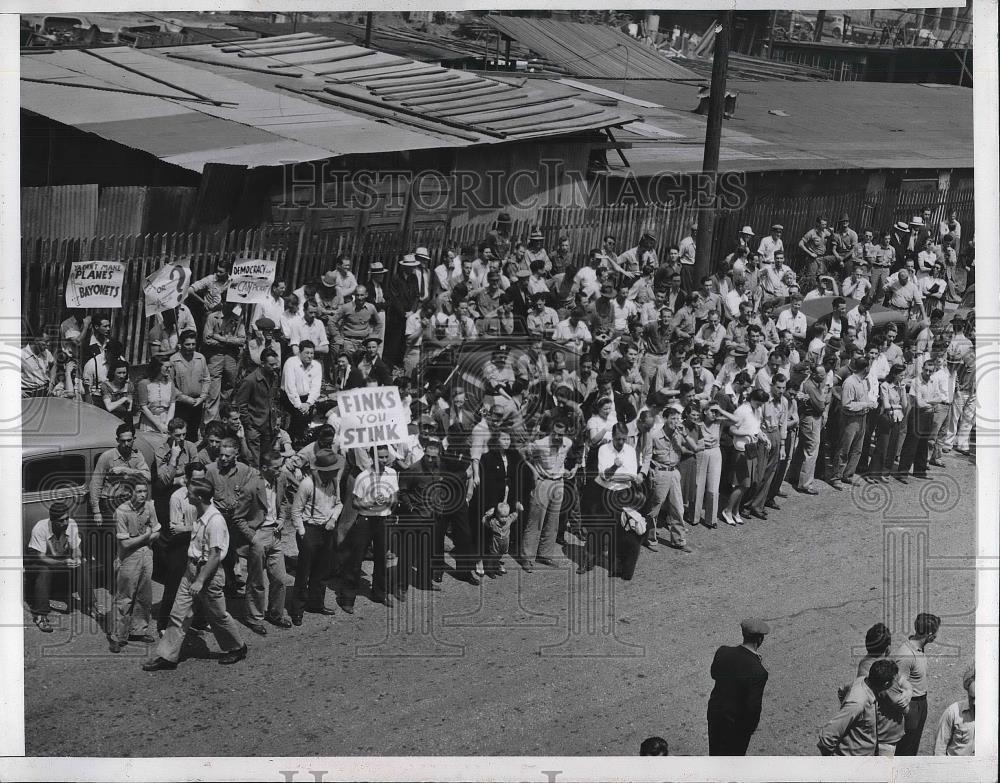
x,y
748,231
423,252
329,279
535,235
409,260
376,268
902,225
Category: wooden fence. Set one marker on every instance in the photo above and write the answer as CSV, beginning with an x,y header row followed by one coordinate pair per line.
x,y
303,256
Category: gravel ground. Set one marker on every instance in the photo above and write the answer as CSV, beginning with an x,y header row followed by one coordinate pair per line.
x,y
546,663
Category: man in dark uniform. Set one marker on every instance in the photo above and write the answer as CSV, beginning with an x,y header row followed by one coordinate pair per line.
x,y
734,706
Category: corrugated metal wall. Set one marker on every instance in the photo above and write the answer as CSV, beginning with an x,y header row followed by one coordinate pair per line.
x,y
66,211
76,211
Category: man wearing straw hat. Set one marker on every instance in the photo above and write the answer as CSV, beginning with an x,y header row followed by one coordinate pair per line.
x,y
402,298
536,250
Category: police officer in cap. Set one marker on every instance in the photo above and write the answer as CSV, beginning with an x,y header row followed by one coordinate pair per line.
x,y
734,706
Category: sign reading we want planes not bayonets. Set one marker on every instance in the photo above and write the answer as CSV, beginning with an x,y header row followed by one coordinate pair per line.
x,y
372,416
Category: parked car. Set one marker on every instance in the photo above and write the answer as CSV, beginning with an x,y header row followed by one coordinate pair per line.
x,y
815,309
61,441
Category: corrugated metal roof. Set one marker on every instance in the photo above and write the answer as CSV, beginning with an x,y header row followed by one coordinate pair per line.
x,y
464,107
246,124
386,40
592,50
294,98
829,125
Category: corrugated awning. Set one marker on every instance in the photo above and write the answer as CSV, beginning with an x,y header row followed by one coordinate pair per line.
x,y
296,98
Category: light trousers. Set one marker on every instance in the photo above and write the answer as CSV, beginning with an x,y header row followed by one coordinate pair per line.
x,y
134,594
542,527
706,493
224,627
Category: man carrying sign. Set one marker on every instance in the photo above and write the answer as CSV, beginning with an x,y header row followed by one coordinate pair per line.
x,y
375,493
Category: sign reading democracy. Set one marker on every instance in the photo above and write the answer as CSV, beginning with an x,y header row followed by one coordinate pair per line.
x,y
95,284
166,287
372,416
250,280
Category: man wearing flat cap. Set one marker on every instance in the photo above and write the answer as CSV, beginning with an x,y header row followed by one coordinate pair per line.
x,y
734,706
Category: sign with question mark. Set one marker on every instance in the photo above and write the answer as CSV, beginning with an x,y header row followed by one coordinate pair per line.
x,y
165,288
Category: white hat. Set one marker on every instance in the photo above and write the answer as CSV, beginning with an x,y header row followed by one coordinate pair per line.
x,y
423,252
917,221
747,230
409,260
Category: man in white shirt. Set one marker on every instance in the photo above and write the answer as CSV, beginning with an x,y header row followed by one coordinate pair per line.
x,y
376,490
272,307
857,285
309,327
54,547
772,243
793,319
861,320
37,364
573,333
301,380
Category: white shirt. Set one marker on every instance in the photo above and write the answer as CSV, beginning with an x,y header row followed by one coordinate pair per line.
x,y
42,532
586,279
796,324
270,308
863,323
622,312
747,420
367,487
769,246
573,338
622,477
733,300
315,332
298,381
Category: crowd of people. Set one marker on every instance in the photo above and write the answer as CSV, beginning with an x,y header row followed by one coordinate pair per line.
x,y
610,396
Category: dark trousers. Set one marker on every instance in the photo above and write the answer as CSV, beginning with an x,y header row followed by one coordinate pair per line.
x,y
368,531
298,424
259,441
852,436
725,737
74,579
868,444
627,547
411,540
767,465
917,441
601,528
314,556
464,535
175,559
192,415
913,727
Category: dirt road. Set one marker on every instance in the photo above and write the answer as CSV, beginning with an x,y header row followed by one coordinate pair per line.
x,y
549,663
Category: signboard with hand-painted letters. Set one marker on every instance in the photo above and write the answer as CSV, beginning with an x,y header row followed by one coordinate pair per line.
x,y
165,288
95,285
372,416
250,280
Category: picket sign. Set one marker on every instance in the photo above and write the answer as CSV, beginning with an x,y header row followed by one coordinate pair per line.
x,y
95,284
372,416
250,280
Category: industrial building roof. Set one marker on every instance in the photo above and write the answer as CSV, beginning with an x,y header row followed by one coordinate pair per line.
x,y
785,125
591,50
403,43
295,98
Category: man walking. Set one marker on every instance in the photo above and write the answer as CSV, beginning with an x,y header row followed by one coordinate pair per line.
x,y
912,662
854,730
735,704
209,544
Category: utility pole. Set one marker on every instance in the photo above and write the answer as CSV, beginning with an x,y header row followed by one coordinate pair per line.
x,y
713,139
368,28
820,22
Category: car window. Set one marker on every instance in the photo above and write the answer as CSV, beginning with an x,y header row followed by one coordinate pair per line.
x,y
47,474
